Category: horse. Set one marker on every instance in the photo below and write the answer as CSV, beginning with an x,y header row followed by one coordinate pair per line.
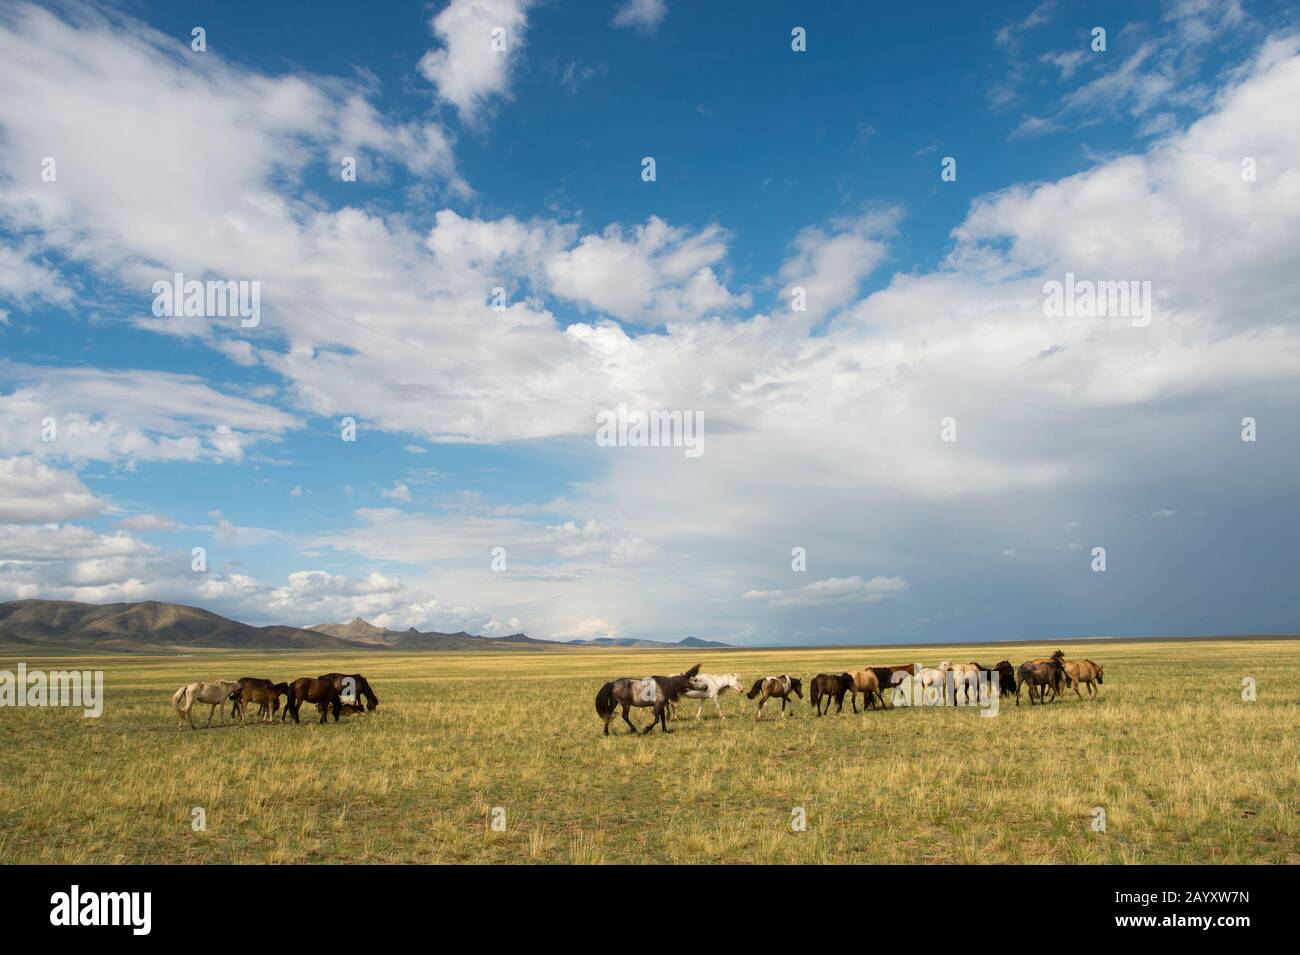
x,y
1040,675
323,693
1083,671
771,686
215,693
828,686
352,709
868,684
656,691
714,686
1059,656
358,687
252,690
1003,676
889,676
930,676
965,676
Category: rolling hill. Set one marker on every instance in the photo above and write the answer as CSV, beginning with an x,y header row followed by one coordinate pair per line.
x,y
154,626
148,625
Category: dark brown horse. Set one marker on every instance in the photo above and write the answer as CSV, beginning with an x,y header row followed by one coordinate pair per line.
x,y
656,691
828,686
305,689
253,690
353,686
1042,675
1003,676
780,686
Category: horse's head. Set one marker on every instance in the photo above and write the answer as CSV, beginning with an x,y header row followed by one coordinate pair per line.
x,y
234,694
732,682
1059,656
1099,669
944,665
796,686
695,683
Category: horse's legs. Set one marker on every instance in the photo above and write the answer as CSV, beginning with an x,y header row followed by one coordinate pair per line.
x,y
761,701
630,724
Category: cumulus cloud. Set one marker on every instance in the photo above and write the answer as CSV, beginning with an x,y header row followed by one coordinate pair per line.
x,y
468,69
31,491
835,415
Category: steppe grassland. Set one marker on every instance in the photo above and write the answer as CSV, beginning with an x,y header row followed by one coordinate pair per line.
x,y
1182,768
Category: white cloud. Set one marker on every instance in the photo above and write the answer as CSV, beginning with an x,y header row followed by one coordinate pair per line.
x,y
644,15
31,491
141,415
467,71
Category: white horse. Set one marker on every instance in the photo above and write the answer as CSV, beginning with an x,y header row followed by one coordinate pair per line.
x,y
714,686
216,693
931,676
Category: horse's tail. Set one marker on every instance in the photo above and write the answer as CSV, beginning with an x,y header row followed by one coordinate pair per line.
x,y
176,702
605,700
753,690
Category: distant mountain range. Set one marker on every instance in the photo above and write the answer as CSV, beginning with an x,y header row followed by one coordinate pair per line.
x,y
153,626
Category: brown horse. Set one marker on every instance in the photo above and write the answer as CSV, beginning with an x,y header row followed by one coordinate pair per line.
x,y
352,709
656,691
353,686
1041,675
771,686
1083,671
868,684
828,686
253,690
305,689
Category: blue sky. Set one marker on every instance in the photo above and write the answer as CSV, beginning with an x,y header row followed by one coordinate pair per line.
x,y
775,169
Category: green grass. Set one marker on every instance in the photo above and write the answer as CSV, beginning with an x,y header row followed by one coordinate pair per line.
x,y
1184,769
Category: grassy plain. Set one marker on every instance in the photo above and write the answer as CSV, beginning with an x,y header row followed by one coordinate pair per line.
x,y
1184,770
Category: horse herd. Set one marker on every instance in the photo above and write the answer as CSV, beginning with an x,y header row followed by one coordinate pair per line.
x,y
947,682
337,693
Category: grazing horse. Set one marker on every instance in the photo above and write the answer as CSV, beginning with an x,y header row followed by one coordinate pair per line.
x,y
215,693
714,685
252,690
771,686
1041,675
828,686
868,684
352,709
1083,671
354,686
656,691
305,689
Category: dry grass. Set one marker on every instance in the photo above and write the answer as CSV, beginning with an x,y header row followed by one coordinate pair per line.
x,y
1185,771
